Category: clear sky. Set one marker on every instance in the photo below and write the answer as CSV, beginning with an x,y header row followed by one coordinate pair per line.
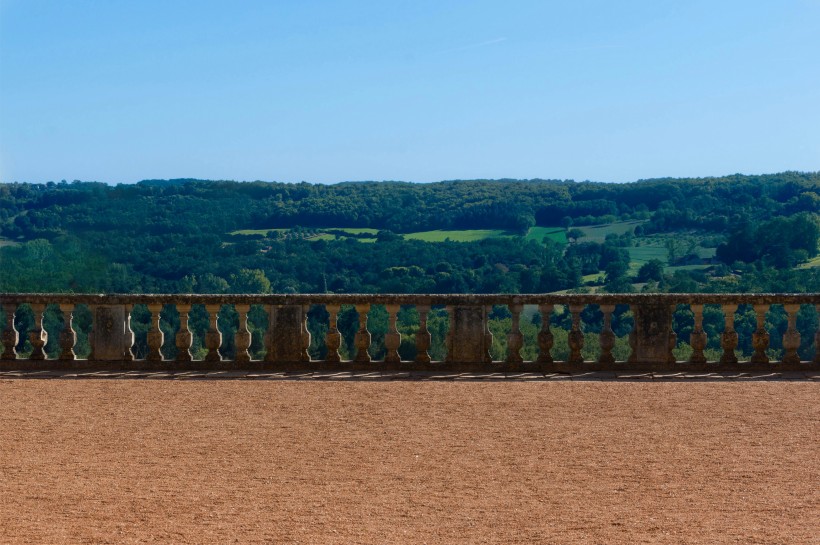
x,y
119,91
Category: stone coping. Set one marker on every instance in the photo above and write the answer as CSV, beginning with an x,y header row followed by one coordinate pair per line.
x,y
807,376
416,299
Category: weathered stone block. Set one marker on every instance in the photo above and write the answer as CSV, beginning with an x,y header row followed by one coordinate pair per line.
x,y
112,337
468,339
652,339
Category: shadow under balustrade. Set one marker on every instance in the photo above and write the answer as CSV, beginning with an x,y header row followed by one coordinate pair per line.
x,y
471,333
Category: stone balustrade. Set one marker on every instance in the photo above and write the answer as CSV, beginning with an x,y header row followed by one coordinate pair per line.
x,y
468,338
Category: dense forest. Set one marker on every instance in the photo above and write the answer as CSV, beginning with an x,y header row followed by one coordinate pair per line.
x,y
729,234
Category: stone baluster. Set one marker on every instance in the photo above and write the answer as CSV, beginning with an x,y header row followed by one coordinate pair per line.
x,y
38,337
760,337
363,337
791,339
575,337
728,340
184,338
515,339
128,335
545,336
68,337
155,334
242,338
392,339
423,337
697,339
333,339
10,335
304,354
607,337
488,335
213,338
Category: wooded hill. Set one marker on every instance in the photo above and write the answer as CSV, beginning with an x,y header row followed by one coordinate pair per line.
x,y
759,233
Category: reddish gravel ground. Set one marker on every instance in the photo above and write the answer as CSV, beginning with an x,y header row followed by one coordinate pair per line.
x,y
139,461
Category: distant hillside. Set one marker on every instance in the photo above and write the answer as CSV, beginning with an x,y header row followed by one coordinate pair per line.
x,y
199,235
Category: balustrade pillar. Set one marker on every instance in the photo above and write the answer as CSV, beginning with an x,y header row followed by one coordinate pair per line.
x,y
545,337
728,340
184,338
155,336
450,336
68,337
468,338
791,339
92,333
607,338
10,335
242,338
362,339
760,337
697,339
38,337
652,339
288,337
111,337
213,337
392,339
423,337
817,340
515,339
333,339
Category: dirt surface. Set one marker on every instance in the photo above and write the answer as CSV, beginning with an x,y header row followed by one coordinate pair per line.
x,y
140,461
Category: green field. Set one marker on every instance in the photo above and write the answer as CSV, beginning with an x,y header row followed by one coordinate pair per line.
x,y
356,230
598,233
558,234
644,254
263,232
537,234
647,248
671,270
466,235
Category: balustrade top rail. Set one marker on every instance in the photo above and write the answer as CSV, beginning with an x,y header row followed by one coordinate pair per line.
x,y
416,299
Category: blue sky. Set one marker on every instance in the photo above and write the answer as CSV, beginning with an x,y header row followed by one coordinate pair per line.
x,y
418,91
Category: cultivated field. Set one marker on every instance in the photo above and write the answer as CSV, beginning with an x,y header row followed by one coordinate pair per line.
x,y
557,234
598,233
465,235
141,461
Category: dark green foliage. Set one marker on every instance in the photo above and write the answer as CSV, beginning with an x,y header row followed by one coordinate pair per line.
x,y
651,270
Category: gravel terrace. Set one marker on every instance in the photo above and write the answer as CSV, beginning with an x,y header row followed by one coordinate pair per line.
x,y
238,461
